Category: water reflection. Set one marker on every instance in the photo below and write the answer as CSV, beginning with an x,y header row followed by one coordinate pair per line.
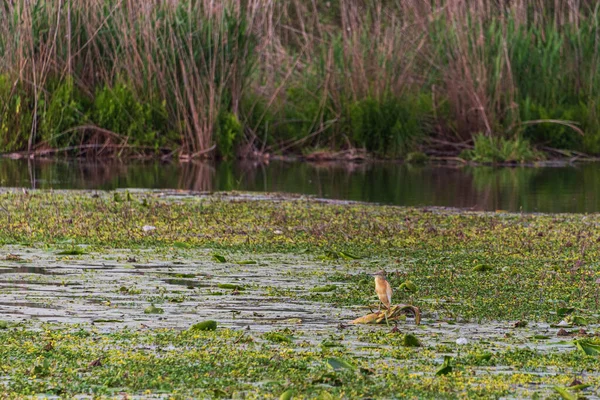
x,y
551,189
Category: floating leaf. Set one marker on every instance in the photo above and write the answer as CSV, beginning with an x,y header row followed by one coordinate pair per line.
x,y
482,268
3,324
588,347
331,343
348,256
578,320
563,311
246,262
410,340
75,251
409,286
325,396
485,356
153,310
277,337
564,393
219,258
287,395
181,245
209,325
339,364
541,337
446,368
230,286
326,288
580,386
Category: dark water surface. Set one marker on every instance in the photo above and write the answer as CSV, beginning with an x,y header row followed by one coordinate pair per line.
x,y
547,189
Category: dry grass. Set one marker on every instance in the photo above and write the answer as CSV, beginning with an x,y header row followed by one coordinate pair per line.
x,y
202,58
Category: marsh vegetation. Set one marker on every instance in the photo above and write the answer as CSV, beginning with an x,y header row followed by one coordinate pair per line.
x,y
489,80
95,302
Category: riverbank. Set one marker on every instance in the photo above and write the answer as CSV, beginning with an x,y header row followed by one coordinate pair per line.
x,y
499,82
99,291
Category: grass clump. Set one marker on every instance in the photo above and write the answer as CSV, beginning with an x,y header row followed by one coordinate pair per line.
x,y
495,150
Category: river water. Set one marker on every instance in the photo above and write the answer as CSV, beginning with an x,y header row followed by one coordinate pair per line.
x,y
567,188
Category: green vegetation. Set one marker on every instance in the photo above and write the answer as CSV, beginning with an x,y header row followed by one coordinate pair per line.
x,y
230,79
508,301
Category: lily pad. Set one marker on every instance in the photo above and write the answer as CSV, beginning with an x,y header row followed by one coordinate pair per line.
x,y
588,347
408,286
219,258
446,367
410,340
209,325
340,364
326,288
153,310
230,286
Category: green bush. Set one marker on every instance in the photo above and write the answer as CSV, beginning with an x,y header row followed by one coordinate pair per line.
x,y
15,115
229,132
143,123
497,149
65,110
389,127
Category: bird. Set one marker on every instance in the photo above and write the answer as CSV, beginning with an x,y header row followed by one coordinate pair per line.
x,y
383,289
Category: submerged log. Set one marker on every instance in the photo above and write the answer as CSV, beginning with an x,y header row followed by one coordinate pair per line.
x,y
392,315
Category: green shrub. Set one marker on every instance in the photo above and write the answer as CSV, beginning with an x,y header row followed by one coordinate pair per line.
x,y
229,132
65,110
16,117
389,127
497,149
144,123
550,133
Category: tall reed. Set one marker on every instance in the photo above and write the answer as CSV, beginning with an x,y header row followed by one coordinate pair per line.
x,y
288,75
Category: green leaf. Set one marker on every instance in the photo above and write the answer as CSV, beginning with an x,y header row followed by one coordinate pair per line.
x,y
589,348
409,286
287,395
75,251
230,286
326,288
3,324
446,368
277,337
181,245
246,262
564,393
482,268
348,256
339,364
410,340
153,310
219,258
561,312
209,325
486,356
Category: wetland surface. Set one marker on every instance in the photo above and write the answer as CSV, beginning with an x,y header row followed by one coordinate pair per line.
x,y
99,294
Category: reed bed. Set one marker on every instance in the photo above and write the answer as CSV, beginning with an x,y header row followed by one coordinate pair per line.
x,y
200,78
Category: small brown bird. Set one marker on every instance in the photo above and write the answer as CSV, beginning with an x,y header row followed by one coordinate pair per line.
x,y
383,289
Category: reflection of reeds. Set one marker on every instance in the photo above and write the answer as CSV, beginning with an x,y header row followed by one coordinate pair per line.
x,y
197,176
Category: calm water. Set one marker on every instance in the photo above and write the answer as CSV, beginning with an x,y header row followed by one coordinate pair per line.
x,y
549,189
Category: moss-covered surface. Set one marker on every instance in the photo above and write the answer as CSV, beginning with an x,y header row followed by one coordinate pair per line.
x,y
80,271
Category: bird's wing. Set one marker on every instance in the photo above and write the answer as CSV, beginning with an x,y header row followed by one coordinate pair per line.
x,y
389,293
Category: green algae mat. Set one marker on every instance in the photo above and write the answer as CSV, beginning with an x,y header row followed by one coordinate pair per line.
x,y
232,295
